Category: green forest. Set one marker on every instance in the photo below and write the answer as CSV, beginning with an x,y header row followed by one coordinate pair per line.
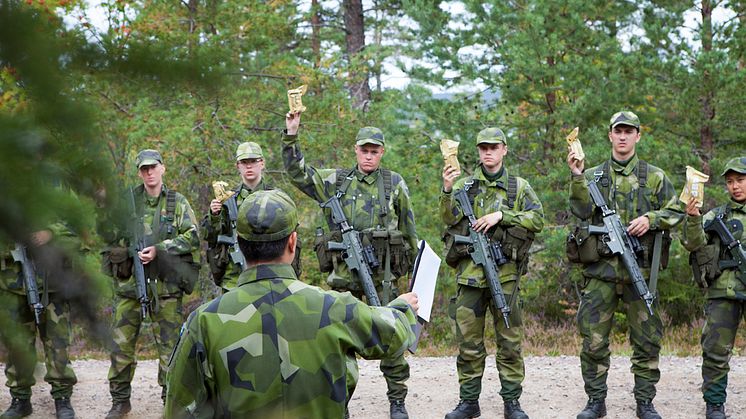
x,y
85,85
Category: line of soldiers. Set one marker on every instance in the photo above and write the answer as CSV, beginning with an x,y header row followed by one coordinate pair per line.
x,y
271,346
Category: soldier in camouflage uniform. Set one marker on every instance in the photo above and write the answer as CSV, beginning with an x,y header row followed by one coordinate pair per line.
x,y
274,347
376,203
725,287
494,211
19,333
171,228
647,207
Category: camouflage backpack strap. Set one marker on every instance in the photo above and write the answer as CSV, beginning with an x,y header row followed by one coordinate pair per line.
x,y
170,211
512,190
472,189
384,194
344,179
642,190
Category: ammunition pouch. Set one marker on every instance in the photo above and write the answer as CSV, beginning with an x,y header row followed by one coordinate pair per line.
x,y
583,247
180,270
516,242
455,252
116,262
705,264
321,247
218,258
647,241
399,249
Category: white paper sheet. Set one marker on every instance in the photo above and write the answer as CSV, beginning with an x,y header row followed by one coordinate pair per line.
x,y
425,277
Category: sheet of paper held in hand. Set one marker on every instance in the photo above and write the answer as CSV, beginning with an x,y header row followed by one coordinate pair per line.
x,y
574,143
294,99
221,192
449,149
695,186
424,279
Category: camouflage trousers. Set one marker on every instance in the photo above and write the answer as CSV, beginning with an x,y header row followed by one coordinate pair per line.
x,y
395,370
126,326
469,309
718,336
18,334
598,303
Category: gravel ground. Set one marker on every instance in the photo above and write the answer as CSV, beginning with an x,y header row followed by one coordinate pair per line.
x,y
553,389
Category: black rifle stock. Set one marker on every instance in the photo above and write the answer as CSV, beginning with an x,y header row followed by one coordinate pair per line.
x,y
353,252
137,244
485,253
718,226
621,243
20,255
232,240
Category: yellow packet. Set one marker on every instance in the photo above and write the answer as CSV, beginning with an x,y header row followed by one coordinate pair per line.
x,y
695,186
294,99
449,149
222,193
574,143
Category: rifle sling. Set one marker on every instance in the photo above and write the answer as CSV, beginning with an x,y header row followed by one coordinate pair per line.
x,y
656,263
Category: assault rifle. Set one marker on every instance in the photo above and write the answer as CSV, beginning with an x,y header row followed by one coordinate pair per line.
x,y
485,253
358,259
620,242
718,226
20,255
137,244
232,240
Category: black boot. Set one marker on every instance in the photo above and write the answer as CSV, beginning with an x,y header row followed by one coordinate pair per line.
x,y
594,409
646,410
63,408
397,410
119,409
715,411
19,408
513,410
466,409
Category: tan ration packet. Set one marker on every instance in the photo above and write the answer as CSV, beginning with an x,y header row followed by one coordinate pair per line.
x,y
695,186
449,149
574,143
294,99
222,193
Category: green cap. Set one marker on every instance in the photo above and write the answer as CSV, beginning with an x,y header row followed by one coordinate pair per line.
x,y
266,216
492,135
369,135
249,150
148,157
624,118
736,164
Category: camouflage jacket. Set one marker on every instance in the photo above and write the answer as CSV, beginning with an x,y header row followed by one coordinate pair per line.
x,y
493,196
360,203
694,238
661,207
275,347
184,239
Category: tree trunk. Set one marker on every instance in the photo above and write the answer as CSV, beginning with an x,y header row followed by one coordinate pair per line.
x,y
315,33
355,39
707,110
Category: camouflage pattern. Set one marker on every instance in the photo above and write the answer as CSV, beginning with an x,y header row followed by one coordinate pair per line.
x,y
267,216
736,164
291,355
493,196
165,314
369,135
473,297
249,150
492,135
608,281
624,118
148,157
361,205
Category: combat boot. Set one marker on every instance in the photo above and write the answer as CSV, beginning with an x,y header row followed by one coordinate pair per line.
x,y
63,408
19,408
465,409
513,410
594,409
646,410
715,411
397,410
119,409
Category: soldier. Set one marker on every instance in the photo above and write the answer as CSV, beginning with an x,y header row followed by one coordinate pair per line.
x,y
170,231
275,347
19,334
376,203
643,197
508,211
725,285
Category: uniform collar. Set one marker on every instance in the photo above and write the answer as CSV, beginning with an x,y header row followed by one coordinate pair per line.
x,y
501,182
369,178
627,169
266,271
246,191
735,206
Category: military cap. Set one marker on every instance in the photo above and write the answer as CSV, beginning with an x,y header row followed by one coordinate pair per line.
x,y
492,135
736,164
624,118
249,150
369,135
266,216
148,157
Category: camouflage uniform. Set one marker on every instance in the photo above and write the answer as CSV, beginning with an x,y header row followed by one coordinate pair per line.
x,y
607,281
473,298
363,210
726,296
19,333
275,347
166,314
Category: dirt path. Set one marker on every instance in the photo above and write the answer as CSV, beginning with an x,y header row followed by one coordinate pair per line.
x,y
553,389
